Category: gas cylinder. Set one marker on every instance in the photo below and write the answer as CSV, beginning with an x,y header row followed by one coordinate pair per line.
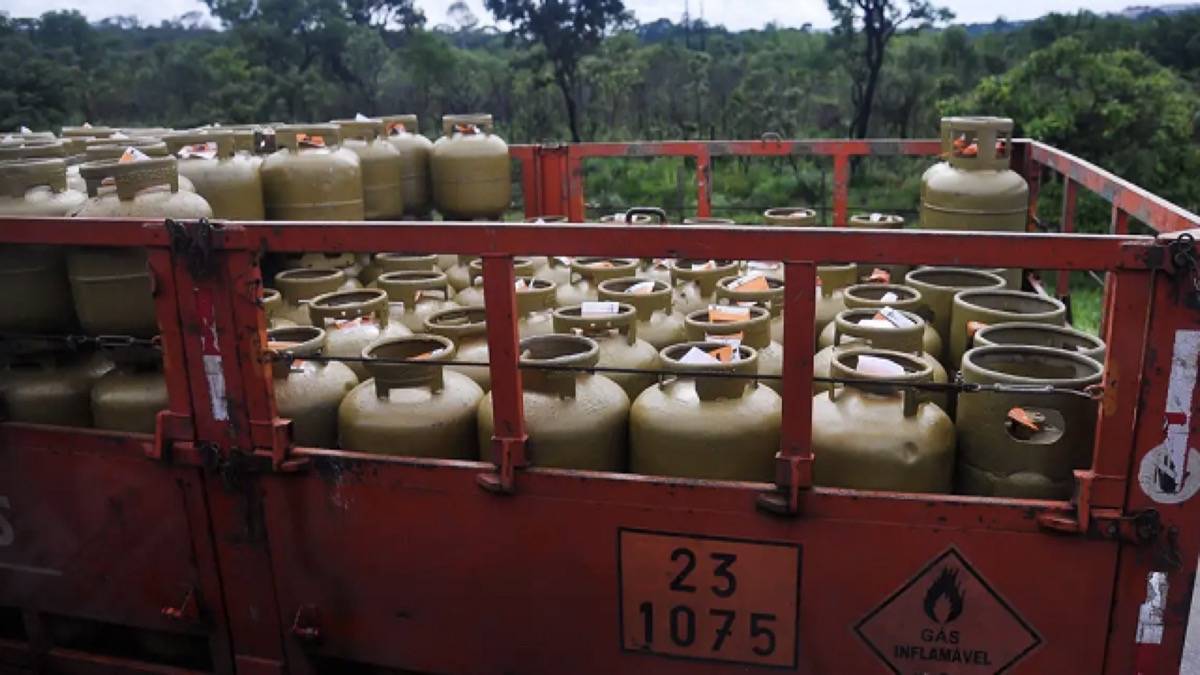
x,y
229,181
637,215
48,384
880,221
973,309
130,395
694,282
299,286
655,269
352,320
859,328
557,270
870,436
658,323
99,150
707,220
87,131
414,295
1041,335
469,169
692,426
310,176
350,263
62,150
466,327
587,273
112,287
833,279
790,216
1025,445
616,334
937,286
742,290
382,168
408,409
459,274
574,419
145,132
974,188
272,302
308,392
404,134
33,279
754,331
878,296
396,262
535,306
472,295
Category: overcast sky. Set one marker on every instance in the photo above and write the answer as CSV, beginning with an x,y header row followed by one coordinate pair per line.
x,y
734,14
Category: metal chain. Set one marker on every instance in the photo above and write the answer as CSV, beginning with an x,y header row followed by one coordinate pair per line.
x,y
76,342
1183,258
1093,392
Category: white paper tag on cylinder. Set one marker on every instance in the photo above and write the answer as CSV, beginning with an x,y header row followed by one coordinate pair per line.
x,y
599,308
877,367
694,355
641,288
896,318
359,117
876,323
890,296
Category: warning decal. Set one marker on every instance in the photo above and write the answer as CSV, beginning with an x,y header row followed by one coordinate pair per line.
x,y
947,620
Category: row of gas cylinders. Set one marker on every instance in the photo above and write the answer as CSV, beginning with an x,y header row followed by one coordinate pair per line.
x,y
1008,444
344,171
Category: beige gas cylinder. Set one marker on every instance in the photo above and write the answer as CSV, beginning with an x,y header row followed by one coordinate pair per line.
x,y
655,269
99,150
33,279
415,295
718,428
557,270
754,329
873,436
466,327
382,168
350,263
832,280
404,133
298,286
587,273
470,169
458,273
272,303
396,262
130,395
974,309
614,328
860,328
1041,335
112,287
352,320
43,383
228,180
472,295
744,290
658,322
938,286
790,216
535,306
312,176
308,392
575,419
893,272
1019,444
878,296
694,282
409,409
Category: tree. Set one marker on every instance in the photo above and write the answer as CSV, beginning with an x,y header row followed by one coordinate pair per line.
x,y
864,28
566,30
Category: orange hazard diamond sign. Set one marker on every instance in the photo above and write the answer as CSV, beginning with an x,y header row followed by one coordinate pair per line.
x,y
947,620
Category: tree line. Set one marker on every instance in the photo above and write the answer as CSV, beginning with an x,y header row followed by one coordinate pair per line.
x,y
1123,93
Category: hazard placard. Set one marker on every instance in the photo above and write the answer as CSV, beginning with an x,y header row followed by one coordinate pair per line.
x,y
947,619
709,598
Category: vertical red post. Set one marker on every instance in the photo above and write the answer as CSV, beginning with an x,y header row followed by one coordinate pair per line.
x,y
574,173
508,409
173,424
1070,195
552,173
703,184
841,189
1033,175
1120,221
531,183
793,463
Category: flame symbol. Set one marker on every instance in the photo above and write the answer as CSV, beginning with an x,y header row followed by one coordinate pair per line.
x,y
944,599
